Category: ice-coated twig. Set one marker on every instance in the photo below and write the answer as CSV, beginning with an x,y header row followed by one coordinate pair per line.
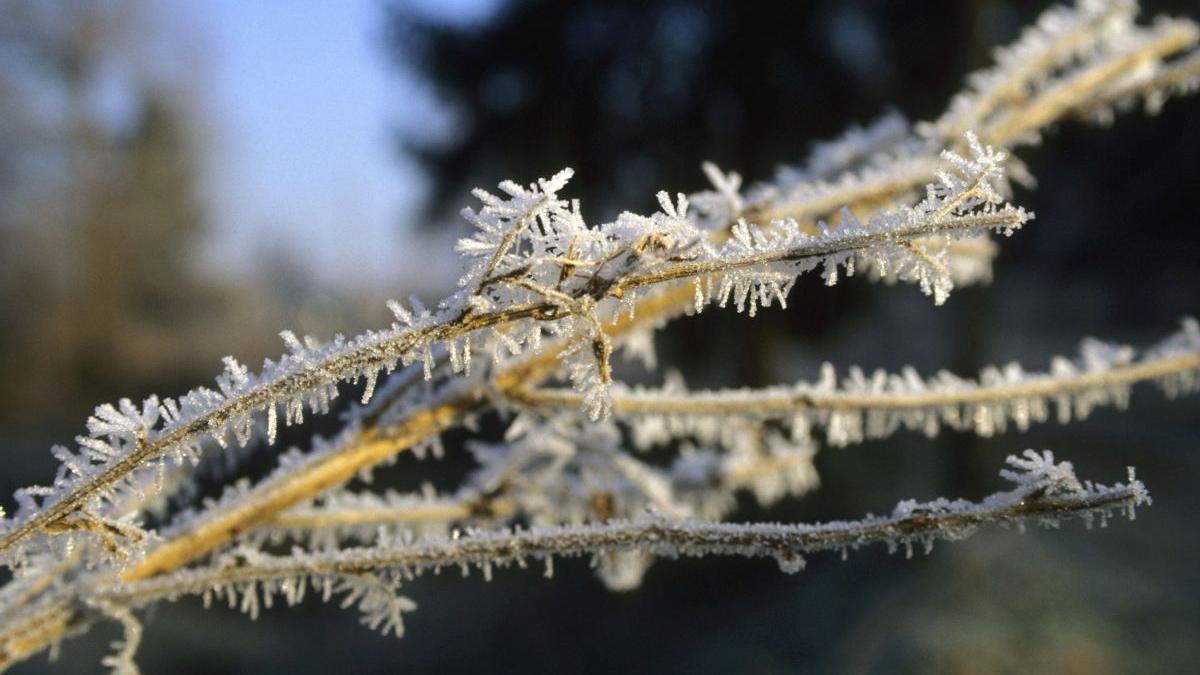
x,y
1163,39
515,485
873,406
753,269
122,440
1060,36
1045,493
1153,85
545,294
373,439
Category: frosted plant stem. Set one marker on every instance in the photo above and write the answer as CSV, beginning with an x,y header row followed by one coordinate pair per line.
x,y
444,511
363,450
1010,86
379,355
1046,493
1069,97
343,366
818,249
492,507
879,189
537,270
1180,75
1038,501
772,402
1076,92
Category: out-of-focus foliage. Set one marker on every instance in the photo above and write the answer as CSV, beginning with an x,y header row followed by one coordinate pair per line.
x,y
100,209
634,93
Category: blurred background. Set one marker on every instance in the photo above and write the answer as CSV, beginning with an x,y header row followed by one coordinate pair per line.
x,y
181,180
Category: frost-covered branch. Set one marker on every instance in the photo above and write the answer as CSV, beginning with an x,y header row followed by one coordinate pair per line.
x,y
589,478
631,254
124,438
874,406
1045,492
1165,38
546,295
753,268
1153,85
107,464
361,447
1060,36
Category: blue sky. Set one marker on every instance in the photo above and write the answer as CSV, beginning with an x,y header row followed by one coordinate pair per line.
x,y
305,105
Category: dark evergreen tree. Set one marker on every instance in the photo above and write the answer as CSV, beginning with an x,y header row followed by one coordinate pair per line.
x,y
636,94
